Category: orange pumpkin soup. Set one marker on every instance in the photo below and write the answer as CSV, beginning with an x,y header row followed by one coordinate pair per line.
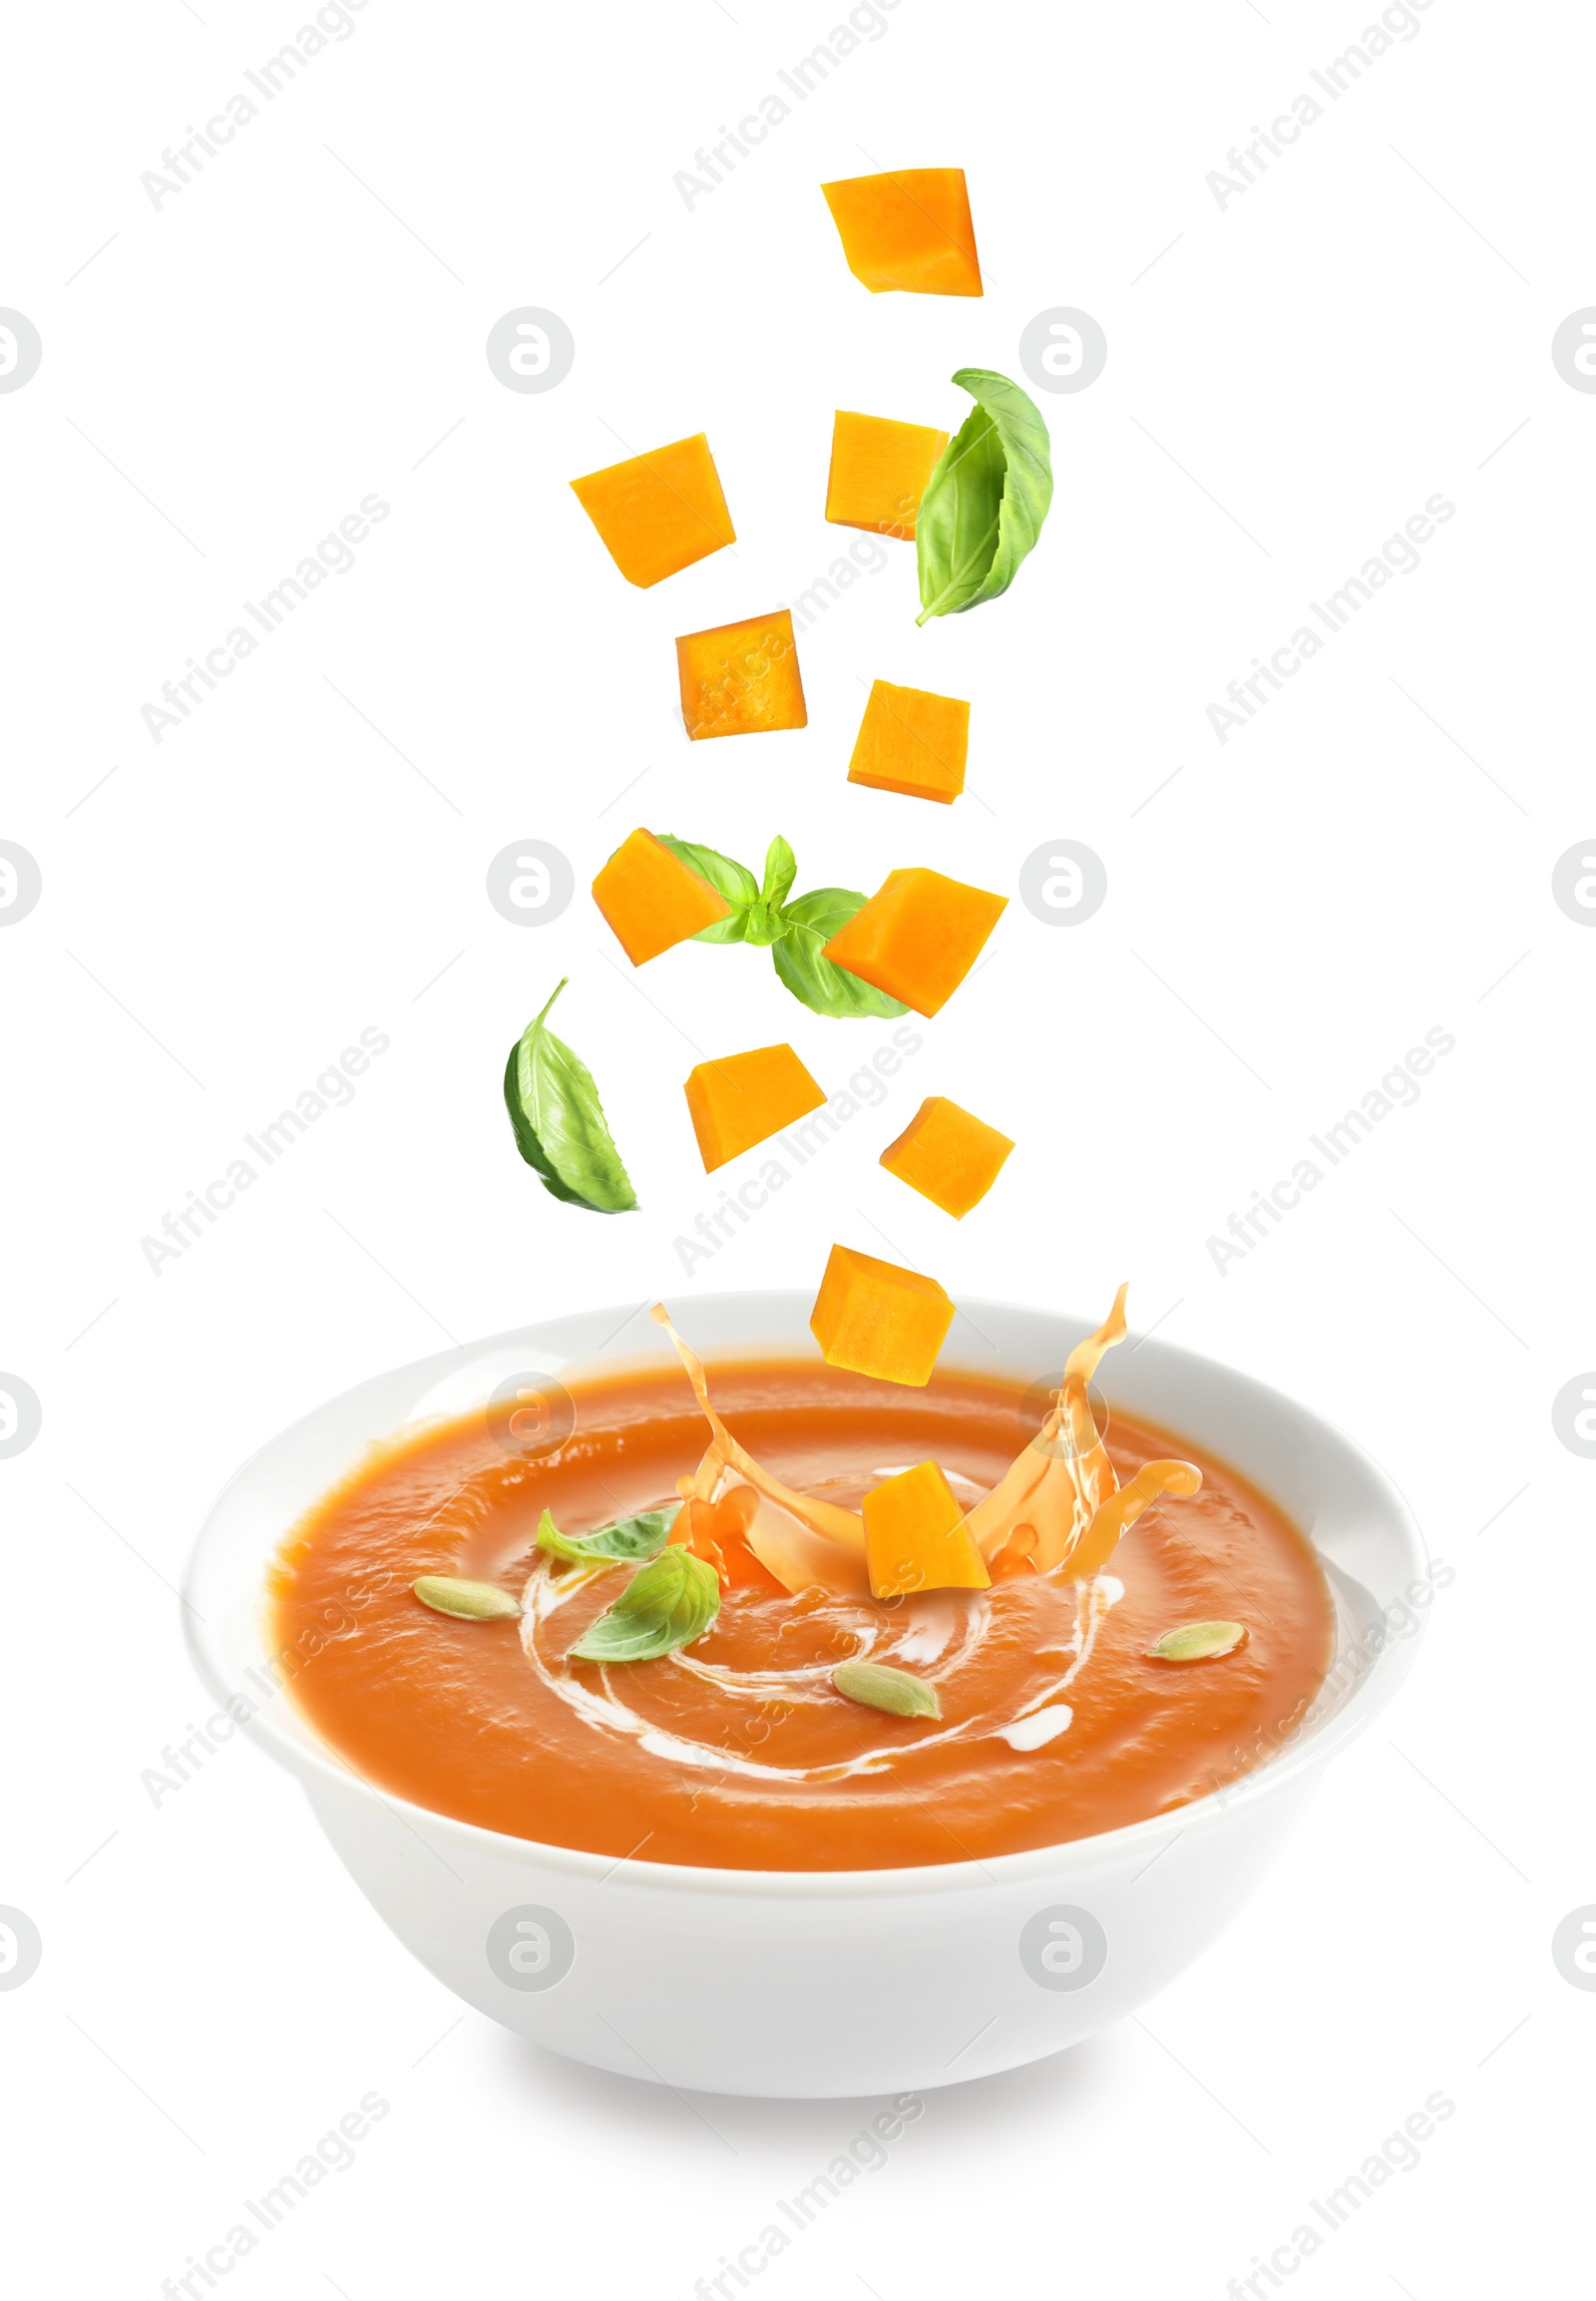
x,y
986,1720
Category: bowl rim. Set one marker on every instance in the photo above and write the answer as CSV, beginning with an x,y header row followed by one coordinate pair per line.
x,y
1305,1754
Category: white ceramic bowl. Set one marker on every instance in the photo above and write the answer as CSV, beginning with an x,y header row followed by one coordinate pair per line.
x,y
816,1982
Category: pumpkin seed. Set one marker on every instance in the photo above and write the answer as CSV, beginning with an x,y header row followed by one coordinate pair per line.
x,y
1198,1642
879,1687
466,1601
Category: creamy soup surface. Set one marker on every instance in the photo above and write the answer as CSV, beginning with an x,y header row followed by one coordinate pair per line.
x,y
736,1751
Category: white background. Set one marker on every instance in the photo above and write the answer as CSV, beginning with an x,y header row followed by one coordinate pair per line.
x,y
1294,375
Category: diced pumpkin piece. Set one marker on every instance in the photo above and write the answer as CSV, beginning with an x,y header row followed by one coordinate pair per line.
x,y
918,936
656,513
910,229
652,899
916,1537
879,470
948,1155
911,742
876,1318
742,678
745,1098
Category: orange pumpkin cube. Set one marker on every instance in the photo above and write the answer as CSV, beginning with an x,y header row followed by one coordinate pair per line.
x,y
911,742
742,678
879,470
916,1536
652,899
910,229
656,513
918,936
878,1318
948,1155
745,1098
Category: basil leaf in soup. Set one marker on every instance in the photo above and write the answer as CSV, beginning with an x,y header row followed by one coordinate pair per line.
x,y
559,1121
985,500
668,1602
827,988
628,1539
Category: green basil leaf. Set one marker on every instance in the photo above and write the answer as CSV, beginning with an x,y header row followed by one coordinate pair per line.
x,y
632,1539
526,1136
668,1602
762,924
731,882
465,1601
781,868
829,990
985,500
879,1687
560,1122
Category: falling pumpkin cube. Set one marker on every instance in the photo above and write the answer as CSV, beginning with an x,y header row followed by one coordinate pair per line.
x,y
652,900
918,936
917,1538
911,742
908,229
743,1099
948,1155
742,678
878,1318
879,470
656,513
